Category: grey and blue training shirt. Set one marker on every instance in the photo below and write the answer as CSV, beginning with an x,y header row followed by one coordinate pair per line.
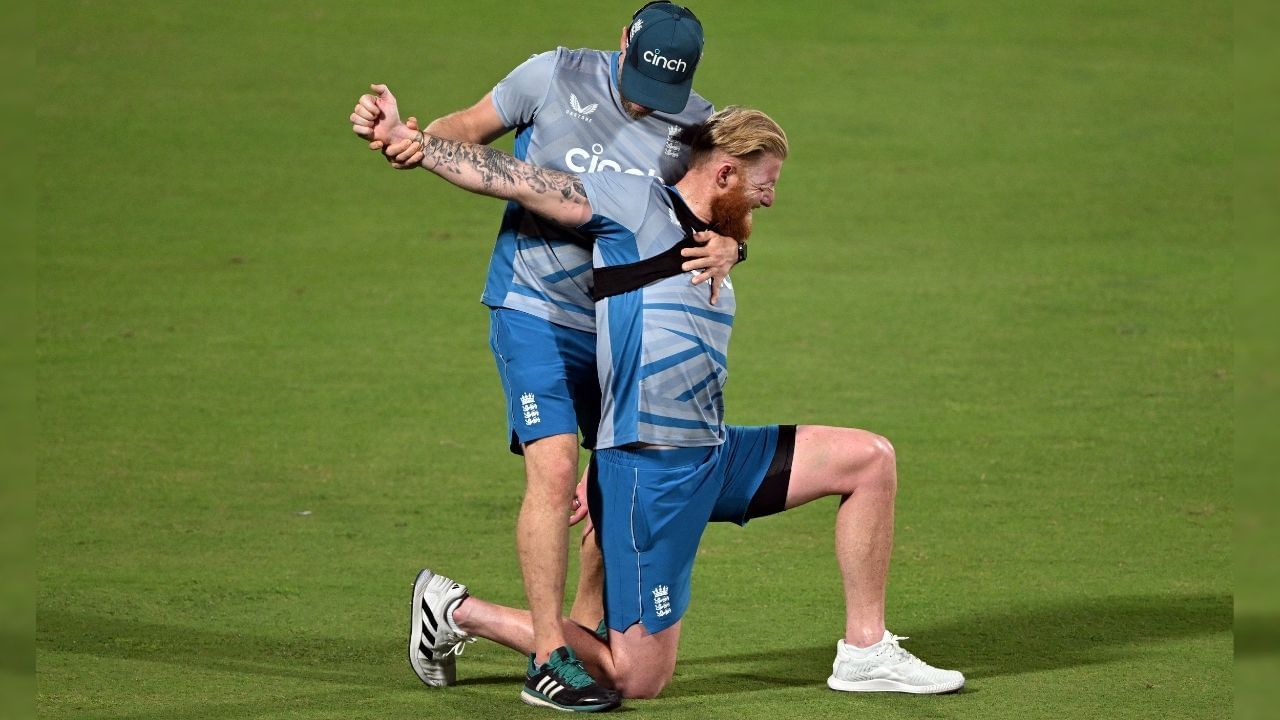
x,y
568,116
661,350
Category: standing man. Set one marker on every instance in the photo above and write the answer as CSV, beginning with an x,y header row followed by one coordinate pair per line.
x,y
666,464
581,111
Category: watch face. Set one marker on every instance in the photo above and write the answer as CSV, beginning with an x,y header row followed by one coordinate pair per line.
x,y
742,251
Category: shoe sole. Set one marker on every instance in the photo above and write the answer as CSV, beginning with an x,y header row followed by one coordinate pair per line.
x,y
415,633
537,701
891,686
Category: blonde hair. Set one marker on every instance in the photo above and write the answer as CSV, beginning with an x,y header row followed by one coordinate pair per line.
x,y
740,132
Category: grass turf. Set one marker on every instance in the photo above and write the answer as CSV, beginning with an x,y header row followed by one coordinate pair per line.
x,y
265,398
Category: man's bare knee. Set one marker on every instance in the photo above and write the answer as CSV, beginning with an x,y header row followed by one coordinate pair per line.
x,y
870,463
886,464
644,663
552,459
642,680
642,688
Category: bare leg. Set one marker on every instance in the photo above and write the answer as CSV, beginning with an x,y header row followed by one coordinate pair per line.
x,y
636,663
860,468
588,600
514,628
551,469
644,663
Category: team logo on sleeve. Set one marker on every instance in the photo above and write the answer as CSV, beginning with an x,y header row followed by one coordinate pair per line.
x,y
578,111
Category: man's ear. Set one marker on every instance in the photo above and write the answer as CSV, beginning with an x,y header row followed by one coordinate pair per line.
x,y
724,172
625,40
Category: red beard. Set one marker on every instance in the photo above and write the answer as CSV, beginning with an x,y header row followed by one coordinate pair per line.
x,y
731,214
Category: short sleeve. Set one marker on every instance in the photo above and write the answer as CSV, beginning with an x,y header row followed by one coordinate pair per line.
x,y
518,96
617,199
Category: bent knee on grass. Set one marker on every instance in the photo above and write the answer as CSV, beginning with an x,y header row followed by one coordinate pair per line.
x,y
642,689
643,680
643,662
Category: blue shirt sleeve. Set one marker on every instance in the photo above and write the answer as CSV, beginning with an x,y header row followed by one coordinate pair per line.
x,y
617,199
519,95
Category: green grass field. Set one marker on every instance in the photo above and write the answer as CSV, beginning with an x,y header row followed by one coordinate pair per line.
x,y
265,397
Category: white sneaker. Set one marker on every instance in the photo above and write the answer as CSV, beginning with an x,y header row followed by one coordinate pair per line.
x,y
434,640
886,667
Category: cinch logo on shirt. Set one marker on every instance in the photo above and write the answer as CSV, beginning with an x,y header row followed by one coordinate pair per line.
x,y
661,601
654,57
580,161
530,408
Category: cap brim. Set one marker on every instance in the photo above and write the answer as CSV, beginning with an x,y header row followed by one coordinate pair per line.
x,y
656,95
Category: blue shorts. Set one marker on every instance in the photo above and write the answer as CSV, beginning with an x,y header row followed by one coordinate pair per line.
x,y
651,506
548,373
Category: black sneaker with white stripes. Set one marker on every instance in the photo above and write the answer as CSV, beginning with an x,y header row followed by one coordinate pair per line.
x,y
562,684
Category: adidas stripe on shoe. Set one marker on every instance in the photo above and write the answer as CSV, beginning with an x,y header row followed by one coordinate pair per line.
x,y
434,640
563,684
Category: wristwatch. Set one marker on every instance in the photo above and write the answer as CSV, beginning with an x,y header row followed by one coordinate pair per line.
x,y
742,251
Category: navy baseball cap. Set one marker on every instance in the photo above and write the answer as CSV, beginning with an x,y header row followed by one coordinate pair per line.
x,y
663,51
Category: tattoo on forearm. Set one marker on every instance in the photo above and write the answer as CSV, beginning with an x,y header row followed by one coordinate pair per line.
x,y
498,169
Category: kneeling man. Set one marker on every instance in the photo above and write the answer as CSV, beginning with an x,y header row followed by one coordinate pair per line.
x,y
666,464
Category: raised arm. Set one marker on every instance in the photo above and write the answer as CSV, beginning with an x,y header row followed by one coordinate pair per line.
x,y
479,123
557,196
